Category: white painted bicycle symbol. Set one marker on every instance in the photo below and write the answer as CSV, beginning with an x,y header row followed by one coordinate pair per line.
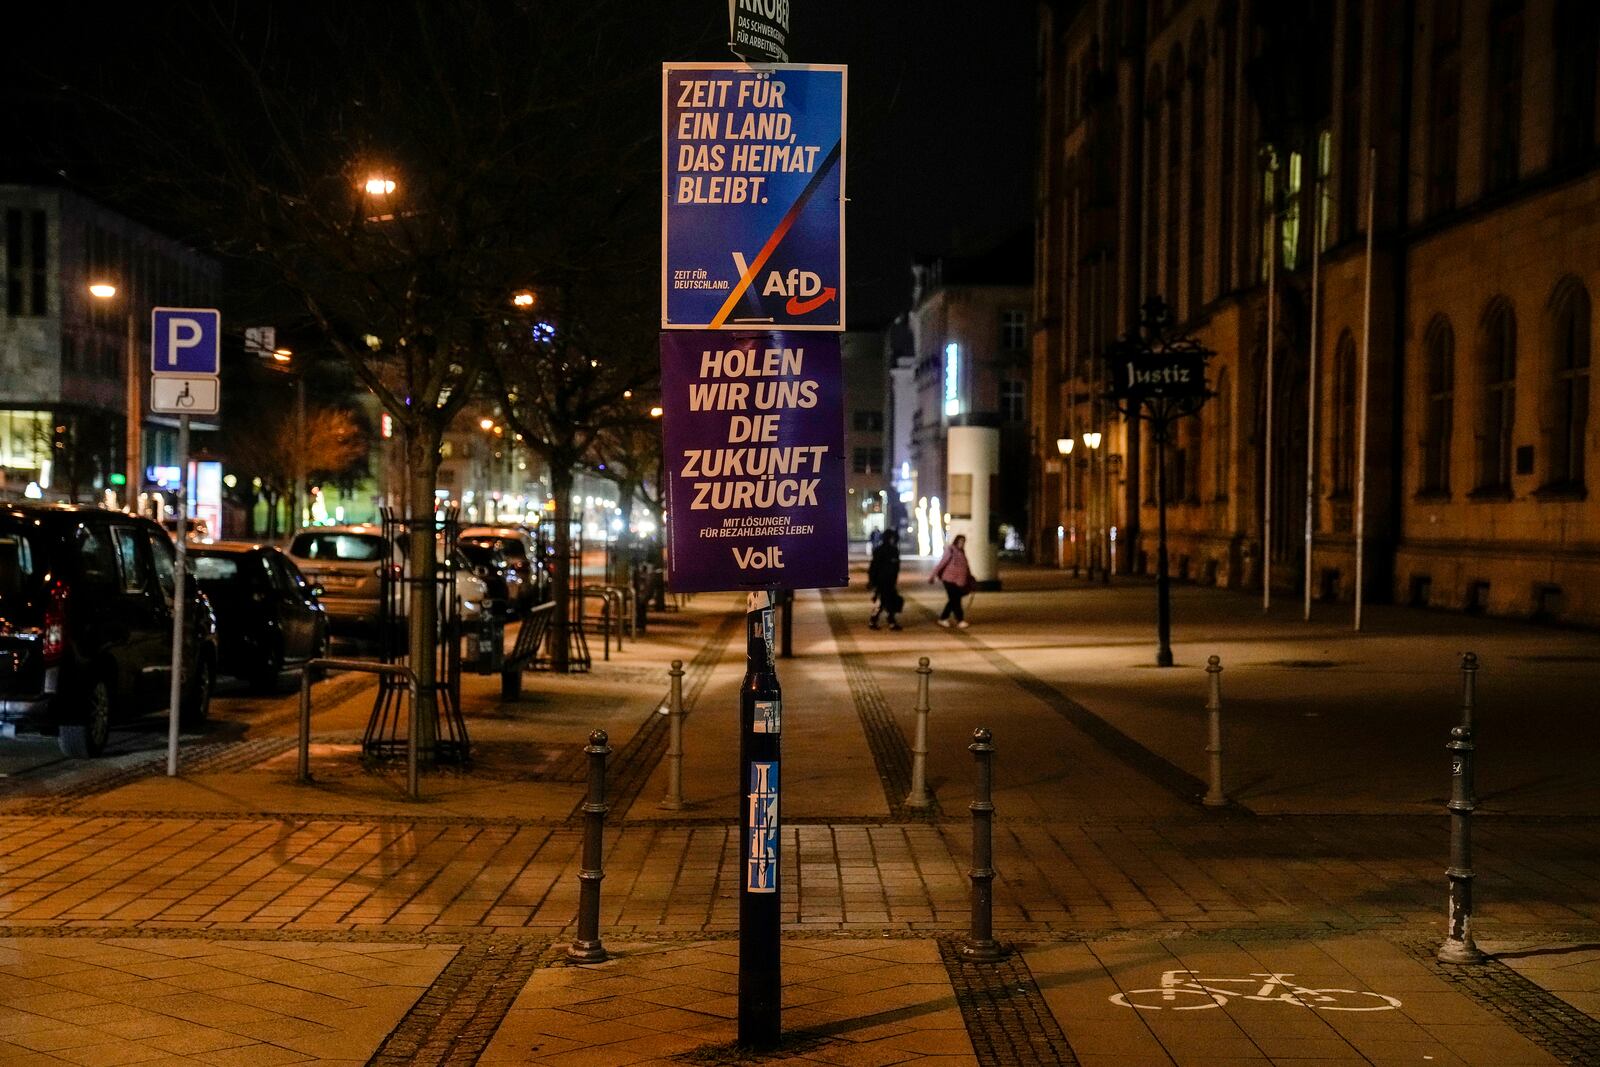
x,y
1185,990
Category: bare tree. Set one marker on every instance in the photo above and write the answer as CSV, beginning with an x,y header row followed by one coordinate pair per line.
x,y
401,175
263,444
563,380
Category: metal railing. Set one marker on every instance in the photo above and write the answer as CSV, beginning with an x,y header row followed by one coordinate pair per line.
x,y
364,666
613,610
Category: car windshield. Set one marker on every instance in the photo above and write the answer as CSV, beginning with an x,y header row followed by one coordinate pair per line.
x,y
354,547
479,552
214,568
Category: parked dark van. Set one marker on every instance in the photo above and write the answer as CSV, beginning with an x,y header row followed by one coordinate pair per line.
x,y
86,600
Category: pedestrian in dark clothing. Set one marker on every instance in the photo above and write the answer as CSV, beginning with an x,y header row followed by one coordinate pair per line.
x,y
883,573
957,578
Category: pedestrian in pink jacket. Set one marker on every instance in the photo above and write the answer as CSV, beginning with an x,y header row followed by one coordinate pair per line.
x,y
957,578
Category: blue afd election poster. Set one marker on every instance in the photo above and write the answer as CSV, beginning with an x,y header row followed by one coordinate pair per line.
x,y
753,196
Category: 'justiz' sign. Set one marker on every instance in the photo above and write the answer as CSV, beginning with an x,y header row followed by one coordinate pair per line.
x,y
753,431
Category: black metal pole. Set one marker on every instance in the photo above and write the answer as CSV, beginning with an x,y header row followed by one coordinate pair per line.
x,y
586,947
787,644
1163,581
1458,946
760,723
980,945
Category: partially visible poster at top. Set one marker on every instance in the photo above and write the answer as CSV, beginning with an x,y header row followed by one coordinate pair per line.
x,y
753,197
758,30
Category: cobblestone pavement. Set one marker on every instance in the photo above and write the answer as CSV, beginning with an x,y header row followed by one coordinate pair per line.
x,y
130,904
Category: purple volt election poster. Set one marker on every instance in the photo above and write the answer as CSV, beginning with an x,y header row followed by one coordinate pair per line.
x,y
753,428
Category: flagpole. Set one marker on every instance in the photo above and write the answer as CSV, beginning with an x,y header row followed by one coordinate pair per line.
x,y
1266,481
1361,406
1311,389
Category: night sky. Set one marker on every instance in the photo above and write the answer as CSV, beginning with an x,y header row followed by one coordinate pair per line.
x,y
940,138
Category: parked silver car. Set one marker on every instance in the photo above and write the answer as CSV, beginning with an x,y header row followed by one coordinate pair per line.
x,y
349,561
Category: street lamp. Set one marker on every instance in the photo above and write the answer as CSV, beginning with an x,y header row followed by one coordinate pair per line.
x,y
1064,446
1160,376
1091,441
132,443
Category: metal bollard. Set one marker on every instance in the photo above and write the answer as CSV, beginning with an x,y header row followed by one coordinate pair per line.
x,y
980,946
586,947
1215,798
1458,946
305,725
919,796
673,801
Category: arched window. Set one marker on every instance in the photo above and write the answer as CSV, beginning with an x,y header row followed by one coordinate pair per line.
x,y
1229,115
1577,33
1152,185
1222,448
1444,105
1498,377
1197,169
1569,366
1175,81
1502,142
1440,346
1350,97
1343,423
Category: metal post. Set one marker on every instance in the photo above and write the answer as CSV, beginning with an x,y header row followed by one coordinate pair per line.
x,y
1311,392
413,789
1215,798
131,432
1163,579
305,724
1361,400
302,490
1268,444
586,947
180,598
1458,946
786,637
760,776
919,797
980,946
673,801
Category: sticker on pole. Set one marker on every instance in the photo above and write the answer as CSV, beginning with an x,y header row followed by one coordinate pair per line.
x,y
752,174
761,871
753,431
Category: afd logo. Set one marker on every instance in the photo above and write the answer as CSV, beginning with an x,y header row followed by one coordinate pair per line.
x,y
804,289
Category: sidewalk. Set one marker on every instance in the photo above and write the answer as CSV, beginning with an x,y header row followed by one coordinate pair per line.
x,y
340,921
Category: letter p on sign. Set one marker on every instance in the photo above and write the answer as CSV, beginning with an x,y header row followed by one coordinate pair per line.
x,y
185,341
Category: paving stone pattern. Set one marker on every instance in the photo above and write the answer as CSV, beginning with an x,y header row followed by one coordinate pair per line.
x,y
1556,1026
454,1021
629,767
1007,1018
890,752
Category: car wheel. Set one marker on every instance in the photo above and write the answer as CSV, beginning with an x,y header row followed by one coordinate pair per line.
x,y
195,704
86,739
270,671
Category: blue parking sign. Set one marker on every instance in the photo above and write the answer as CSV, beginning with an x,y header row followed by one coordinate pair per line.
x,y
185,341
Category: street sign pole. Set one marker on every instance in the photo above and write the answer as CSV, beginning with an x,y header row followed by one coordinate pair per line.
x,y
180,595
185,364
